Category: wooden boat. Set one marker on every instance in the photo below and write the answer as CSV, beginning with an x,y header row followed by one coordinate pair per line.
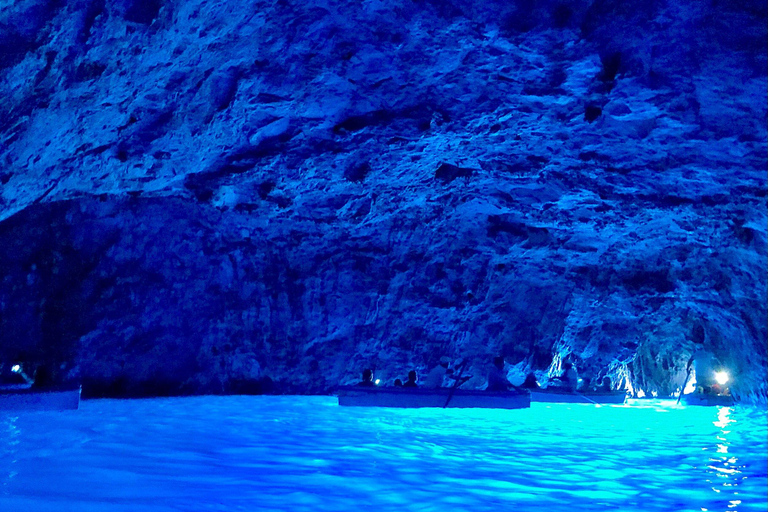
x,y
360,396
39,399
707,400
559,395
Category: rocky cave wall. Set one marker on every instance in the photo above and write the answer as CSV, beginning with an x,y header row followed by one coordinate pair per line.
x,y
230,196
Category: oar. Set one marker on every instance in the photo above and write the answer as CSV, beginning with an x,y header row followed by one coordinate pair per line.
x,y
587,399
455,384
682,389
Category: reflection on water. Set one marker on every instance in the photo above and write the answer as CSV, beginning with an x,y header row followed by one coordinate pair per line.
x,y
11,438
725,468
308,454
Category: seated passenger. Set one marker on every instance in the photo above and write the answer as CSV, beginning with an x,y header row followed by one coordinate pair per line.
x,y
530,382
584,385
606,386
398,383
367,378
569,378
412,379
497,379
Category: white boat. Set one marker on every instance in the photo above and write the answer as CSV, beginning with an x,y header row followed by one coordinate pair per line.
x,y
361,396
39,399
559,395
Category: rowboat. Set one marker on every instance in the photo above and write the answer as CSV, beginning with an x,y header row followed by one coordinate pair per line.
x,y
359,396
39,399
575,397
708,400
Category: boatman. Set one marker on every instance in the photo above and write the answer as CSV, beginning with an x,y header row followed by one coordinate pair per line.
x,y
497,379
569,379
436,375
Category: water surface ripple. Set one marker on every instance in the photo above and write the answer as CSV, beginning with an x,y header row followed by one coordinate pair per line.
x,y
309,454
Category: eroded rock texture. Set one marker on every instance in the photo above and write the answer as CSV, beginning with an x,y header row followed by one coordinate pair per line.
x,y
259,196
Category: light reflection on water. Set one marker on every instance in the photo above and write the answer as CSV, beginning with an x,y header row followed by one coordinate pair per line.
x,y
308,454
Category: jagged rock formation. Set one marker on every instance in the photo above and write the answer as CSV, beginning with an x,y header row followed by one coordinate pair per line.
x,y
228,196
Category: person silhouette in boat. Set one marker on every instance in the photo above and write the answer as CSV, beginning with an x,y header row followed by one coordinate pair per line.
x,y
436,375
606,386
412,380
530,382
398,383
569,379
585,383
367,378
43,377
497,379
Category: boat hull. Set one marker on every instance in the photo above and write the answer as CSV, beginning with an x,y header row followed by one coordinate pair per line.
x,y
354,396
39,399
707,400
561,396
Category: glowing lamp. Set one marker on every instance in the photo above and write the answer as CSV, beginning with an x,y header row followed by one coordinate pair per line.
x,y
16,368
377,381
721,377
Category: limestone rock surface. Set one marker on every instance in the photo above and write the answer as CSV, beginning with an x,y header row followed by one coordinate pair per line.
x,y
215,196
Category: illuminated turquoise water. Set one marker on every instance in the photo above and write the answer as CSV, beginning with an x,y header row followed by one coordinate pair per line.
x,y
308,454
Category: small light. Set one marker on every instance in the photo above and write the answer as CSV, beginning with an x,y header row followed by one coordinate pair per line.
x,y
721,377
377,381
16,368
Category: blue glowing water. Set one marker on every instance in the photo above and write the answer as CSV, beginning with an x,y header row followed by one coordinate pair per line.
x,y
308,454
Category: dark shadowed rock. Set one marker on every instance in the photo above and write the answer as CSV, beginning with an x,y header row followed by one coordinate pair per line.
x,y
262,197
357,170
139,11
449,172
